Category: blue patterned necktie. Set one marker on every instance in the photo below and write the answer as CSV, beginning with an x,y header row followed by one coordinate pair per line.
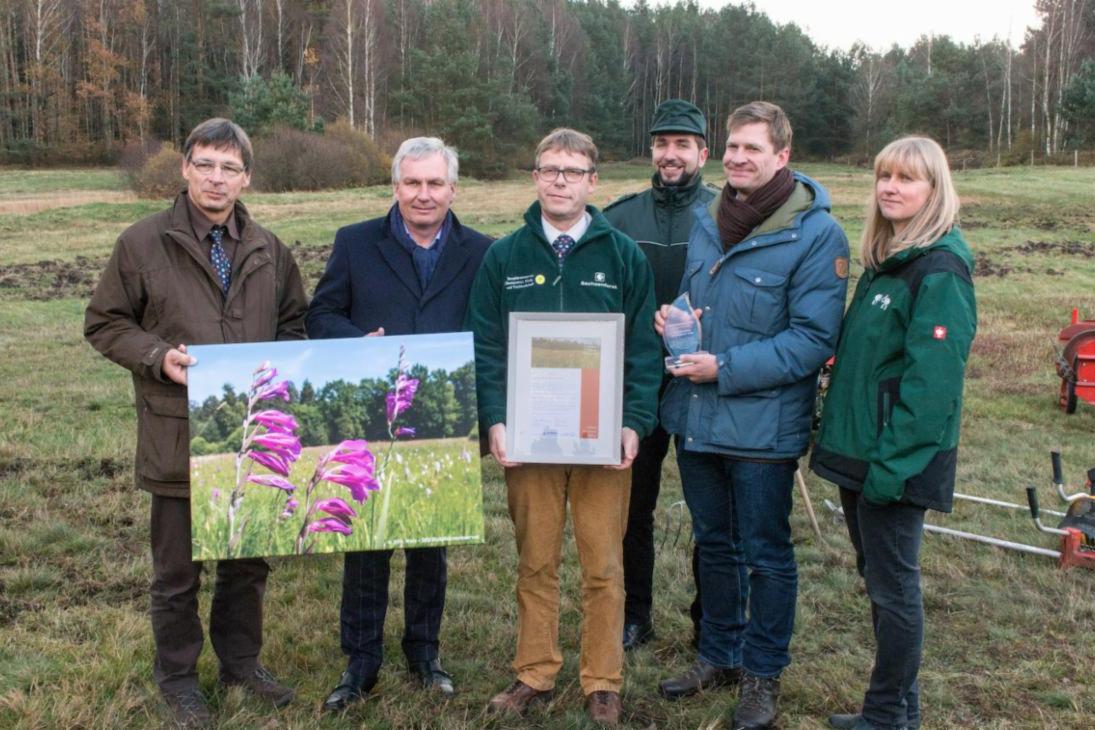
x,y
219,258
562,245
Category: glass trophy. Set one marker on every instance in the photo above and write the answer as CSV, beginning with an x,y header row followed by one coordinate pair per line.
x,y
682,331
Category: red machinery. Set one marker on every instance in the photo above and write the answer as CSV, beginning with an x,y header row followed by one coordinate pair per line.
x,y
1076,362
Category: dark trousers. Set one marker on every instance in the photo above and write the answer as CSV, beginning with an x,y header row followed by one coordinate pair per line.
x,y
887,546
235,620
646,484
365,602
741,522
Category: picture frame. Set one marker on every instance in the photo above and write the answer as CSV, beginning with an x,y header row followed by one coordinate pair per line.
x,y
564,394
306,447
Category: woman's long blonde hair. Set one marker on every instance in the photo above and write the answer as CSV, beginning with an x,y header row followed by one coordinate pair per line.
x,y
923,159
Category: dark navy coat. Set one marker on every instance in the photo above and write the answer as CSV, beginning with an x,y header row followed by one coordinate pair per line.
x,y
370,282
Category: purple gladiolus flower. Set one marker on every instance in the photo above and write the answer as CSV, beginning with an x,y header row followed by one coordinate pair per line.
x,y
270,480
336,508
275,420
402,397
404,431
264,366
355,452
263,377
281,390
270,460
285,445
358,480
331,524
290,508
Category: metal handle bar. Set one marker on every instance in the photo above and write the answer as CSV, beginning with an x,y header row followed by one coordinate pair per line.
x,y
1032,499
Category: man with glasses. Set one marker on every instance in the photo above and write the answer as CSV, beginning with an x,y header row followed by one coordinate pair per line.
x,y
566,258
200,272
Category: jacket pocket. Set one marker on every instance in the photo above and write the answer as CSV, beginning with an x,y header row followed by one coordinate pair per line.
x,y
757,301
163,441
888,392
747,422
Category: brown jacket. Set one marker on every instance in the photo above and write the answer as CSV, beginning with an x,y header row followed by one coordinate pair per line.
x,y
159,291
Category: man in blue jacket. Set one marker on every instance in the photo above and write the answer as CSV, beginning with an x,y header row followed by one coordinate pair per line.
x,y
767,271
408,272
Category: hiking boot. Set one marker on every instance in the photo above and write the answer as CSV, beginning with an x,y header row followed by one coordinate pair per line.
x,y
856,721
188,710
700,677
757,703
263,685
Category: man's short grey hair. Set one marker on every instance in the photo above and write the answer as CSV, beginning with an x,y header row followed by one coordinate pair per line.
x,y
417,148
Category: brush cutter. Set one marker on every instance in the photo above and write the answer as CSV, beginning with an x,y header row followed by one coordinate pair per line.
x,y
1077,526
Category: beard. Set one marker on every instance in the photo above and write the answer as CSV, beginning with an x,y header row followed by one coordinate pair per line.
x,y
685,178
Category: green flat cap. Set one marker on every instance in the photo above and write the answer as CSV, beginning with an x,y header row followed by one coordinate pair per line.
x,y
678,115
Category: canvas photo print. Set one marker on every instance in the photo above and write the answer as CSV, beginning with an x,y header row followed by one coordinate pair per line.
x,y
321,446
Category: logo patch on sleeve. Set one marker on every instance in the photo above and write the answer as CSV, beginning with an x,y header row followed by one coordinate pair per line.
x,y
939,332
840,264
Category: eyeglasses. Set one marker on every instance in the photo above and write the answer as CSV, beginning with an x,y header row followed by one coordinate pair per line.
x,y
570,174
206,168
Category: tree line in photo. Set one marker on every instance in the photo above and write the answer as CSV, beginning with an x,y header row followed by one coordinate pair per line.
x,y
81,79
444,407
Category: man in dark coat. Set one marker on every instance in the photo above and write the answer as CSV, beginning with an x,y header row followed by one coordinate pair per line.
x,y
408,272
659,219
200,272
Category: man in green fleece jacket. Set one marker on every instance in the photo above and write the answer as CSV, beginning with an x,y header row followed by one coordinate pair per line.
x,y
566,258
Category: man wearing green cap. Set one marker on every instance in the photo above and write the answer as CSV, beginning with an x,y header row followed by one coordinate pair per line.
x,y
659,219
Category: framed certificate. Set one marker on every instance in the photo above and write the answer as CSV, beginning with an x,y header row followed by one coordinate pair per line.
x,y
564,395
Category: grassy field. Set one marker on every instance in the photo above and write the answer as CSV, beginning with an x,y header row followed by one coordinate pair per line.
x,y
1009,640
429,489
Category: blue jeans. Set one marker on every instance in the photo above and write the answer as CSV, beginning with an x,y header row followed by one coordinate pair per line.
x,y
887,547
748,577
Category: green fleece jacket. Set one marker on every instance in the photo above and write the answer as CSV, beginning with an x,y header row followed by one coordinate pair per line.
x,y
891,416
604,272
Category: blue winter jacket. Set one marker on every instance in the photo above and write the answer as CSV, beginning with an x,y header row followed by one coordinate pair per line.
x,y
772,306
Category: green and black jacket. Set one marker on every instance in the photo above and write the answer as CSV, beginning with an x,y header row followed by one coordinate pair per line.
x,y
604,272
660,219
891,416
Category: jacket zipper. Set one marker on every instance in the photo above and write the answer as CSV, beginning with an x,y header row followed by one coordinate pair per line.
x,y
559,279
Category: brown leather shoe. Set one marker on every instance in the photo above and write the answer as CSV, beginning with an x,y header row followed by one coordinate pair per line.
x,y
261,684
517,698
604,708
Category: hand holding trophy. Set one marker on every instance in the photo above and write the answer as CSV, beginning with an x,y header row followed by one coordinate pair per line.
x,y
682,334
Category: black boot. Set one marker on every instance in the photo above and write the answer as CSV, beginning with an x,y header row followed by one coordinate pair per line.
x,y
701,676
635,635
757,703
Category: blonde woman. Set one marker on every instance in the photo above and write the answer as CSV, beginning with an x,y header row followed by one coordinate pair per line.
x,y
889,432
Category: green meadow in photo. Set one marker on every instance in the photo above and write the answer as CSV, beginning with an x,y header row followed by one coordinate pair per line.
x,y
436,499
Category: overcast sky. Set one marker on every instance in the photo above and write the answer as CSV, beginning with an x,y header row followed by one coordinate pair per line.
x,y
840,23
